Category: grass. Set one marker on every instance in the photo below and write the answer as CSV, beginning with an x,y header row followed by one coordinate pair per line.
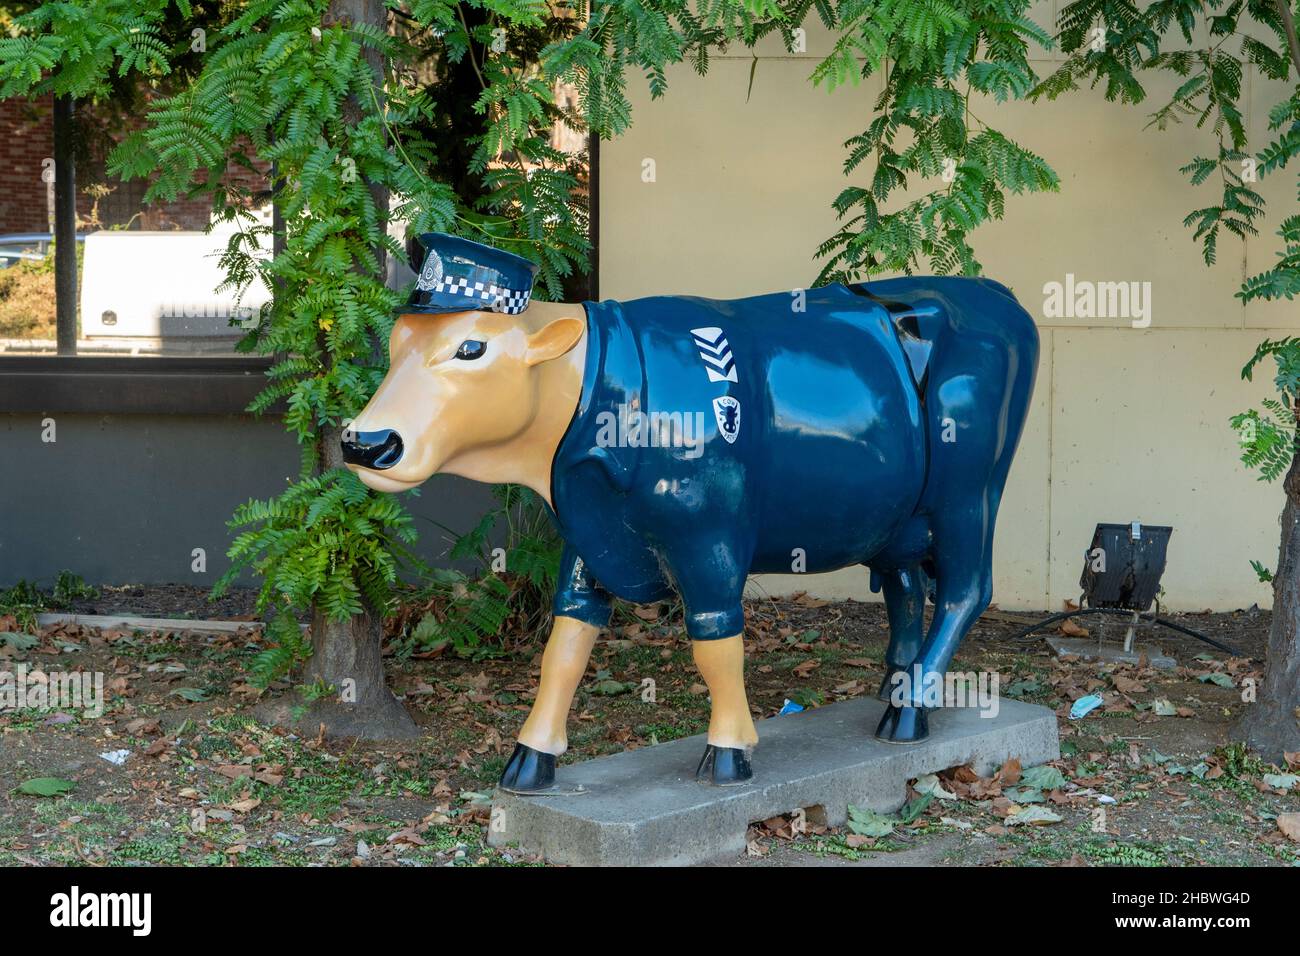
x,y
162,851
1125,854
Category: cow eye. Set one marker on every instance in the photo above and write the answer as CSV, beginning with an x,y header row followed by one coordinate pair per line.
x,y
471,349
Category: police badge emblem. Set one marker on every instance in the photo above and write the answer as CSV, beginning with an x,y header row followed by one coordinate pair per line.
x,y
431,274
727,411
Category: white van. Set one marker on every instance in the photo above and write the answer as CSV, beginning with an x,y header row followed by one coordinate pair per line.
x,y
156,292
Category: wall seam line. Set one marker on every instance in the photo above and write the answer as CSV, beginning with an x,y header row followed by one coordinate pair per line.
x,y
1051,461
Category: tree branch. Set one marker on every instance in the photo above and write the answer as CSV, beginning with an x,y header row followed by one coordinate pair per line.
x,y
1284,8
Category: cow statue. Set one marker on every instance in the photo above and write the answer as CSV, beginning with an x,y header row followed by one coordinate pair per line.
x,y
682,444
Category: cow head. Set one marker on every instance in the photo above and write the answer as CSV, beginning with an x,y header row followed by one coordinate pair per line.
x,y
478,394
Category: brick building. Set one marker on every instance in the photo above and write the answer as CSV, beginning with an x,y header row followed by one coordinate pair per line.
x,y
27,140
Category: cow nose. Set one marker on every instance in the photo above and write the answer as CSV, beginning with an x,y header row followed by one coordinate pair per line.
x,y
375,450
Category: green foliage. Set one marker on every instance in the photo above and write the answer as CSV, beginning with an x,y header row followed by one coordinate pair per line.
x,y
509,593
945,59
327,541
286,82
1124,854
940,53
1267,440
69,587
27,299
290,648
45,787
1268,437
1237,761
76,48
524,189
25,600
472,618
1205,48
317,690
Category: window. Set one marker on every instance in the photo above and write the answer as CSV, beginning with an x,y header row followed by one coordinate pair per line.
x,y
147,274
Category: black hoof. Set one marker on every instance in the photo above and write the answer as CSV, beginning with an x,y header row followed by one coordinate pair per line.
x,y
887,685
903,725
528,771
723,766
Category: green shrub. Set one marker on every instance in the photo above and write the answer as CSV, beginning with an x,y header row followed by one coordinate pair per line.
x,y
27,300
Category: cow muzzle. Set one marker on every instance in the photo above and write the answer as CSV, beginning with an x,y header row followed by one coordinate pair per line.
x,y
378,450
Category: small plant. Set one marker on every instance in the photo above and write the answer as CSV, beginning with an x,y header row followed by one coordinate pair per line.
x,y
69,587
1237,761
290,648
807,698
510,593
1124,854
25,600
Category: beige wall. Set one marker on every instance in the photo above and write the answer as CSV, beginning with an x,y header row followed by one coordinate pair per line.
x,y
1126,423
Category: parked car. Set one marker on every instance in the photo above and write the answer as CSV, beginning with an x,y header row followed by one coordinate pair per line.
x,y
30,246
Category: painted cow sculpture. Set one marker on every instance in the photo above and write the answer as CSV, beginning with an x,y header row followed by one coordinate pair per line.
x,y
846,425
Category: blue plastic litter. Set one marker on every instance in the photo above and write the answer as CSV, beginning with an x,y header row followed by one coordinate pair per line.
x,y
1085,706
790,707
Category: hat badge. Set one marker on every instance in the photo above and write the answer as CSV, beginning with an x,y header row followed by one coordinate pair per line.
x,y
431,274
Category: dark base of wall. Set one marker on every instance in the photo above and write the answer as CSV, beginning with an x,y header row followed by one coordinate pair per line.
x,y
126,499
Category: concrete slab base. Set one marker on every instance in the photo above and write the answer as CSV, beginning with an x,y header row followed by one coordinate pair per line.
x,y
1090,650
138,623
645,808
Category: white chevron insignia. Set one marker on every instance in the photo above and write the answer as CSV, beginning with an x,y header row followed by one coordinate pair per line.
x,y
719,362
716,354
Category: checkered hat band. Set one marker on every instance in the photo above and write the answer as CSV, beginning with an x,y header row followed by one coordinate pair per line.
x,y
509,301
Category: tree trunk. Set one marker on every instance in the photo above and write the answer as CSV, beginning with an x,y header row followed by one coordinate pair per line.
x,y
1272,724
346,654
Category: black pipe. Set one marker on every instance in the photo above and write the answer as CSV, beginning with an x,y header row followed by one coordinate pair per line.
x,y
593,214
65,225
1150,618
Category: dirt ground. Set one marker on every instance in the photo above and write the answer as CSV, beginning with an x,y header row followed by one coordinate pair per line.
x,y
177,770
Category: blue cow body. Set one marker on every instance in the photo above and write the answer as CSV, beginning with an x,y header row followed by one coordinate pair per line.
x,y
875,426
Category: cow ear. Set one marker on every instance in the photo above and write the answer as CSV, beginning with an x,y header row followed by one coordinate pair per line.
x,y
556,339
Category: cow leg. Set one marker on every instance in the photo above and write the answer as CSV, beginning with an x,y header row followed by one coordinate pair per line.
x,y
963,589
543,737
904,591
721,663
711,579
